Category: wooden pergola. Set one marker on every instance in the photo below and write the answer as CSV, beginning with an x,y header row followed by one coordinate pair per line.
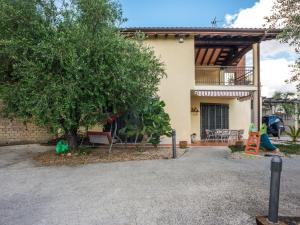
x,y
273,102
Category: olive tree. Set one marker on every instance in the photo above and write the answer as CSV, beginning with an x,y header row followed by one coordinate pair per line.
x,y
66,65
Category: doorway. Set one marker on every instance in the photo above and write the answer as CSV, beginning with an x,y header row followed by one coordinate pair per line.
x,y
213,116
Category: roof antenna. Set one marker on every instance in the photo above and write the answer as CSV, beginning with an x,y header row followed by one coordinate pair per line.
x,y
214,22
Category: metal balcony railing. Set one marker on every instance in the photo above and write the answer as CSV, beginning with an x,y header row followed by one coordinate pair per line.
x,y
225,75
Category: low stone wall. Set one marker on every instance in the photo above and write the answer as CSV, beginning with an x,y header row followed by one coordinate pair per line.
x,y
16,132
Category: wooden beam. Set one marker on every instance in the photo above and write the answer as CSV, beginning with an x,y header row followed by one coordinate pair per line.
x,y
201,56
197,55
204,56
216,55
226,47
222,42
211,56
237,57
208,55
233,51
234,37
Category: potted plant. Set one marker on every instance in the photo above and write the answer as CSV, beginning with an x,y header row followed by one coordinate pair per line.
x,y
193,137
183,144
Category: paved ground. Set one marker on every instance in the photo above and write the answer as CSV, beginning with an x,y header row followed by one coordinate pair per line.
x,y
202,187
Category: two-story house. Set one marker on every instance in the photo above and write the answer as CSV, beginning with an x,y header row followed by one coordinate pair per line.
x,y
210,82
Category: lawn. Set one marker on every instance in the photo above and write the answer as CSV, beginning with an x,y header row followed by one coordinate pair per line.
x,y
287,148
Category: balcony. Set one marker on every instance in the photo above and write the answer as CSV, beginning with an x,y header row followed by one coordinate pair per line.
x,y
224,76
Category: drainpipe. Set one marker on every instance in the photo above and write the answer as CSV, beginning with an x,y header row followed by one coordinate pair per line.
x,y
258,87
258,81
256,67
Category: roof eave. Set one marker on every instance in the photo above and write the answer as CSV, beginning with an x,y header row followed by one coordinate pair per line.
x,y
264,34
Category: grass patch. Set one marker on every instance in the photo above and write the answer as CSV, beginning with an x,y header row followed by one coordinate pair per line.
x,y
237,148
289,148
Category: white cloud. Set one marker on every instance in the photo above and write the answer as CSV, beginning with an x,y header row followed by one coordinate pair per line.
x,y
275,56
274,47
252,17
230,18
274,72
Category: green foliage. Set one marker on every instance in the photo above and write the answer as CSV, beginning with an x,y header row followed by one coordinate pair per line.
x,y
289,148
151,122
293,133
69,66
288,108
236,148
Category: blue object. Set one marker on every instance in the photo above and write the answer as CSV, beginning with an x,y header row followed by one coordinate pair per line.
x,y
266,143
273,119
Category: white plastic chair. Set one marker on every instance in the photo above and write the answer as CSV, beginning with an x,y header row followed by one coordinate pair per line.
x,y
225,134
209,135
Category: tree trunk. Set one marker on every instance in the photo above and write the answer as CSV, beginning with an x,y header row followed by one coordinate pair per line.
x,y
72,140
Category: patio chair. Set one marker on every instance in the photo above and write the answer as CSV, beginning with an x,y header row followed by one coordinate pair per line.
x,y
209,135
233,136
218,134
241,134
225,134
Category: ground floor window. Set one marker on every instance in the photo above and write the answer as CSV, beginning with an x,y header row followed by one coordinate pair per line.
x,y
213,116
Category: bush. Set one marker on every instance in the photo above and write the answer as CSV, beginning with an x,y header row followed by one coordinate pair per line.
x,y
237,148
149,123
293,133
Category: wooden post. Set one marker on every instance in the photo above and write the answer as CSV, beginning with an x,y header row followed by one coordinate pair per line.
x,y
273,109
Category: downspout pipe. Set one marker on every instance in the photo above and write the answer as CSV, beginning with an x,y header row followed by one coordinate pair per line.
x,y
259,82
258,88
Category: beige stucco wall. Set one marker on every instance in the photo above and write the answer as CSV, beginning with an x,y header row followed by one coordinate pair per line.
x,y
239,113
175,89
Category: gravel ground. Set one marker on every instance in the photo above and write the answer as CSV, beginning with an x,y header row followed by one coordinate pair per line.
x,y
204,186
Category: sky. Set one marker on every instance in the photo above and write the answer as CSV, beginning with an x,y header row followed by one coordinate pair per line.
x,y
275,57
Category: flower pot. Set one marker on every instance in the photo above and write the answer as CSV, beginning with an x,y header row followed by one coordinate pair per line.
x,y
193,138
183,144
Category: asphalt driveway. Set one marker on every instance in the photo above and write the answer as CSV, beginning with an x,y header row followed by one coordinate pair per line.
x,y
202,187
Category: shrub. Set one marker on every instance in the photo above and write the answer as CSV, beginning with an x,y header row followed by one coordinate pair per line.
x,y
237,148
293,133
149,123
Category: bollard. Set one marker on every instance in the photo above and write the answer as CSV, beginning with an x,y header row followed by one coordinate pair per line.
x,y
174,143
276,167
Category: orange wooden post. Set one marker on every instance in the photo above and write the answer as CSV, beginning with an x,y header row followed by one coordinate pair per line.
x,y
253,143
